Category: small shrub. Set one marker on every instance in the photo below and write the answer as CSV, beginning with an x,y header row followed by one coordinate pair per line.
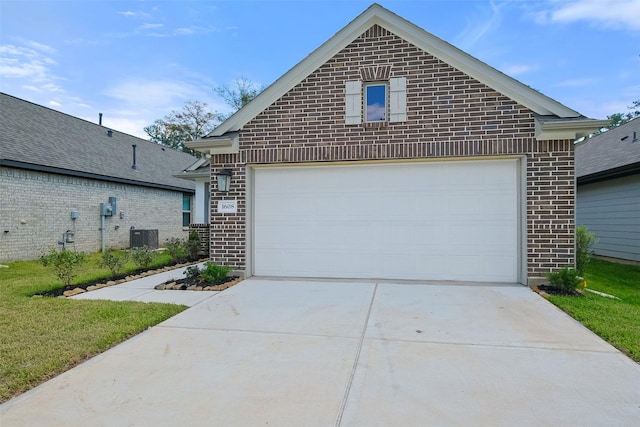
x,y
114,261
176,248
142,257
214,272
192,245
192,272
566,279
584,242
64,263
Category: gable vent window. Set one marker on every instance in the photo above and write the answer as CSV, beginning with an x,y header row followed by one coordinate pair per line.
x,y
384,101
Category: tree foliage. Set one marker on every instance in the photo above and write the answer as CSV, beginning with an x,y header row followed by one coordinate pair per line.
x,y
618,119
196,120
239,94
193,121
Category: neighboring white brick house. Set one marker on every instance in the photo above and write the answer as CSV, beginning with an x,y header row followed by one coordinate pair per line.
x,y
52,164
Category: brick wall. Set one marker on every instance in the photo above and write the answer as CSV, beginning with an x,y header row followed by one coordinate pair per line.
x,y
35,209
449,115
205,236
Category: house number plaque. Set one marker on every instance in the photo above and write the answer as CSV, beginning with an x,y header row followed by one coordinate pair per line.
x,y
227,206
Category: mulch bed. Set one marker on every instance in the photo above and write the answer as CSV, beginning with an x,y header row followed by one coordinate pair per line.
x,y
552,290
197,284
114,280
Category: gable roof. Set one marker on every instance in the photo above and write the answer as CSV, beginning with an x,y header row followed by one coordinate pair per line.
x,y
540,104
39,138
613,153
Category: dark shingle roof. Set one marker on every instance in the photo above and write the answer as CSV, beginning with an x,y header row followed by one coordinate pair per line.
x,y
37,137
610,152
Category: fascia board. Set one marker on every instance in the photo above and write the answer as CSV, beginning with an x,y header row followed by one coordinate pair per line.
x,y
567,129
442,50
215,145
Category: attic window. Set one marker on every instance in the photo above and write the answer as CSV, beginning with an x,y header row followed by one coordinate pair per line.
x,y
384,101
376,102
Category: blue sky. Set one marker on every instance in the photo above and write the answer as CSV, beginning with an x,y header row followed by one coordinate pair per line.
x,y
135,61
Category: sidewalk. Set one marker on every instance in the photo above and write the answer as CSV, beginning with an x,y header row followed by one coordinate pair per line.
x,y
143,290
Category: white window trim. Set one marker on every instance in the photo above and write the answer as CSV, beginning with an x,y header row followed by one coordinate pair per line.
x,y
396,108
386,101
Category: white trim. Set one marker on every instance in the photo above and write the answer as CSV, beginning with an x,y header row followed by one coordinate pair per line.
x,y
366,101
571,129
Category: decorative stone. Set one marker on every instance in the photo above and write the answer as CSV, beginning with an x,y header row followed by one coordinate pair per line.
x,y
73,292
191,288
111,283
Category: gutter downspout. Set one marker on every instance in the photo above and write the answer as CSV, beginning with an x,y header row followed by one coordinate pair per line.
x,y
102,236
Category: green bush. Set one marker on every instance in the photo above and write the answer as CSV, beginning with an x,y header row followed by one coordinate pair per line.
x,y
64,263
192,245
192,272
142,257
584,242
113,260
176,249
566,279
214,272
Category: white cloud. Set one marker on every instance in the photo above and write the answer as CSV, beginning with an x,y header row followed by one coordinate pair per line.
x,y
131,126
41,47
29,65
578,82
518,69
478,28
151,26
624,14
153,93
55,104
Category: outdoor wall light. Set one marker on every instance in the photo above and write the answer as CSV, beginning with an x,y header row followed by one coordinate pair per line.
x,y
224,180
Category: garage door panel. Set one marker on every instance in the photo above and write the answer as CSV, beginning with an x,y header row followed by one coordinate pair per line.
x,y
440,221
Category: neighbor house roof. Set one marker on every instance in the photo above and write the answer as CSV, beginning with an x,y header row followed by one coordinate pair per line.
x,y
39,138
554,126
613,153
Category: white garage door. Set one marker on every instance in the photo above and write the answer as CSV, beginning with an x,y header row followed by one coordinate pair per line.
x,y
424,221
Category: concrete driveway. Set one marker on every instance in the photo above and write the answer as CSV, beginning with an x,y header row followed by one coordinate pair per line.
x,y
313,353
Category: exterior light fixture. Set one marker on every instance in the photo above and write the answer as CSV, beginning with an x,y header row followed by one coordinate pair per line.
x,y
224,180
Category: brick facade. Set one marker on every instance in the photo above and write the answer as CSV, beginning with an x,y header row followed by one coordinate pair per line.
x,y
449,115
35,209
205,236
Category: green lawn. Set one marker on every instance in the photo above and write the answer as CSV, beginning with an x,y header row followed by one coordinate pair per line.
x,y
43,337
616,321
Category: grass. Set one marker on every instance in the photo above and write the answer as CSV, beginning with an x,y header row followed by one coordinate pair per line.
x,y
616,321
43,337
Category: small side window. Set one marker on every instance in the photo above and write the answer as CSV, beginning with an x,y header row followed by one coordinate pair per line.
x,y
186,210
376,102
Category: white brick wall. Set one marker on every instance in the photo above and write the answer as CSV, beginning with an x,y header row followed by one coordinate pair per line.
x,y
44,201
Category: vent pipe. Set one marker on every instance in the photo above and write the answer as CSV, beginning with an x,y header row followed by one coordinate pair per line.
x,y
100,119
134,166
